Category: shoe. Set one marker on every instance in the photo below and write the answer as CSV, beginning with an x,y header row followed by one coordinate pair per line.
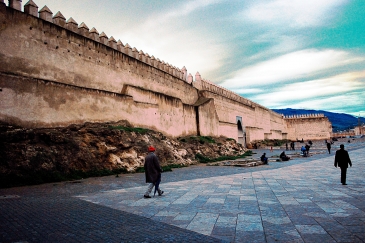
x,y
160,193
146,196
344,184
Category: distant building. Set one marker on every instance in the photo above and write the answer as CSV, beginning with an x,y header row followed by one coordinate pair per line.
x,y
359,130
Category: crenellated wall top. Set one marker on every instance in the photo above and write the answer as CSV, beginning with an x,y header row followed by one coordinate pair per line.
x,y
317,115
46,14
203,84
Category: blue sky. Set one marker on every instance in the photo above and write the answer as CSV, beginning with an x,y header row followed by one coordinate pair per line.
x,y
300,54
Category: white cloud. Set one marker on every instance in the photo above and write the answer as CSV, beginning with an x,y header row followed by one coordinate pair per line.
x,y
293,13
339,103
279,45
337,91
187,8
290,67
160,35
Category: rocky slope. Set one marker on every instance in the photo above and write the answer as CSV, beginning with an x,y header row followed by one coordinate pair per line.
x,y
56,152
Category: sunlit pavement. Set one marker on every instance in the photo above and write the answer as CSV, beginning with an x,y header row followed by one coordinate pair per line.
x,y
297,201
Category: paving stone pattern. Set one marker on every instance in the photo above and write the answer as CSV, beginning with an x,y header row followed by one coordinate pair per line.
x,y
299,201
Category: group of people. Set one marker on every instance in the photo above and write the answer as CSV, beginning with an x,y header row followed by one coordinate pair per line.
x,y
282,156
153,169
342,158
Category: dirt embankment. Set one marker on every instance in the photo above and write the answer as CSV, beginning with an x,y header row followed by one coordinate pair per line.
x,y
99,147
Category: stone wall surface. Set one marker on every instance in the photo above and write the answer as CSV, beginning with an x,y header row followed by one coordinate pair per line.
x,y
56,73
309,128
254,117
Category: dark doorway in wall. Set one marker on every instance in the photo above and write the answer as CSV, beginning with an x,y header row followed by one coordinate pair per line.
x,y
241,132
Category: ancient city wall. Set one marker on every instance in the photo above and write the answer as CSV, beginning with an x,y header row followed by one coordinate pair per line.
x,y
46,63
258,122
55,72
313,126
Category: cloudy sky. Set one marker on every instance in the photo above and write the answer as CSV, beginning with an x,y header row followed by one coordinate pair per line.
x,y
304,54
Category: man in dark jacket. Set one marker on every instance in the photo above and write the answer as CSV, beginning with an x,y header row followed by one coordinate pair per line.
x,y
307,147
329,147
342,159
153,172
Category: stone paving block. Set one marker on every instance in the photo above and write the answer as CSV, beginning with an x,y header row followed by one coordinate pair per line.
x,y
349,221
253,236
245,218
284,237
313,238
310,229
224,230
224,238
249,226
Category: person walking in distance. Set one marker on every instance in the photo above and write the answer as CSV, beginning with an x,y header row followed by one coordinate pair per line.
x,y
307,147
329,147
342,160
153,172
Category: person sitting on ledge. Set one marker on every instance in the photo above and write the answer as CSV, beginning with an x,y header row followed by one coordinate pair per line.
x,y
264,159
284,157
304,151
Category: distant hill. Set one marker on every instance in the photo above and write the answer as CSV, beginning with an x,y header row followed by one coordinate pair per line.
x,y
340,121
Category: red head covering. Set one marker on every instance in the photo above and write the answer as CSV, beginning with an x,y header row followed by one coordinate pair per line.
x,y
151,149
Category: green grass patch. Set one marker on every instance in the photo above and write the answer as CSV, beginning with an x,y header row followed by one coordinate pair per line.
x,y
140,170
274,142
202,159
131,129
200,139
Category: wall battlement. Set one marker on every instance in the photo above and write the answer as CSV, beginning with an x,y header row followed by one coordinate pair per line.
x,y
303,116
203,84
58,19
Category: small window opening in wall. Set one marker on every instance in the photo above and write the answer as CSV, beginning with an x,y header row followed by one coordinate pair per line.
x,y
56,47
89,57
68,50
31,28
44,32
79,44
45,42
1,89
69,41
79,55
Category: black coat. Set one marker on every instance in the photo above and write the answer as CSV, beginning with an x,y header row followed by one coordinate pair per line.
x,y
342,159
152,168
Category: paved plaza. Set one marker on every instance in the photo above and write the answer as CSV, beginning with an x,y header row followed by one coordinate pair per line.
x,y
297,201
